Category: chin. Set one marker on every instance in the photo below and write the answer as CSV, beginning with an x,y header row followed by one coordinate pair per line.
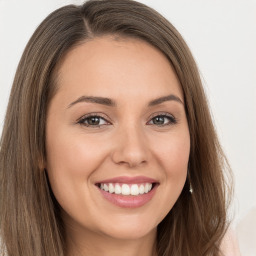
x,y
130,229
131,233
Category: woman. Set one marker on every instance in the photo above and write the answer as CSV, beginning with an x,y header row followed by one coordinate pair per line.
x,y
108,145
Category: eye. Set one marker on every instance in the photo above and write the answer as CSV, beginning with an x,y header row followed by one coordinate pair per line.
x,y
93,120
163,120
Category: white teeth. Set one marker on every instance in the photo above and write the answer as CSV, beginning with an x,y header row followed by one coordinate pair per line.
x,y
146,188
142,189
134,189
126,189
105,187
111,188
118,189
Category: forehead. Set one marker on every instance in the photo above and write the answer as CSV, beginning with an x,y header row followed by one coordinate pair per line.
x,y
114,68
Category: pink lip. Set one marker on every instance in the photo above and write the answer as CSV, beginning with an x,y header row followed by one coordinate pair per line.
x,y
129,201
129,180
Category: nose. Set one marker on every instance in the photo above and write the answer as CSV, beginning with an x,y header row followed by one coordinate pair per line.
x,y
130,147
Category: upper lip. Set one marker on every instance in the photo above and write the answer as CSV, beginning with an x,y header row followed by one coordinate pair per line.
x,y
129,180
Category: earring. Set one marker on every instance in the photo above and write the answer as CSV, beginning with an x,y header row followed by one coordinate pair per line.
x,y
189,180
190,188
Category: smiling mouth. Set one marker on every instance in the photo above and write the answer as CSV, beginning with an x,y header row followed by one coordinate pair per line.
x,y
126,189
128,192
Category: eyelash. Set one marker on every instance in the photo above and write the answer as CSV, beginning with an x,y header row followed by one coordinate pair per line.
x,y
171,119
86,117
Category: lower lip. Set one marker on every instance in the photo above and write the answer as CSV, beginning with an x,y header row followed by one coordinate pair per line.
x,y
129,201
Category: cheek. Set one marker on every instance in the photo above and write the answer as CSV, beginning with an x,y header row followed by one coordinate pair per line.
x,y
173,154
175,165
71,160
73,154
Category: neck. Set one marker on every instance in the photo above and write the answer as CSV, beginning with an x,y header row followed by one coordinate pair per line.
x,y
95,244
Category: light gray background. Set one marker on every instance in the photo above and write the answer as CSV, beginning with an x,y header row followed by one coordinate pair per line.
x,y
222,37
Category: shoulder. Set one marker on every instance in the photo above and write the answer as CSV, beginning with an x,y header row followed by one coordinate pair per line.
x,y
229,245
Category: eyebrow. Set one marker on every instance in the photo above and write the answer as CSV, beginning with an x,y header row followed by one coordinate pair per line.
x,y
93,99
160,100
111,103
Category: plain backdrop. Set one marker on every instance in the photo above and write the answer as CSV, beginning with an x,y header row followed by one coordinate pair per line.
x,y
222,37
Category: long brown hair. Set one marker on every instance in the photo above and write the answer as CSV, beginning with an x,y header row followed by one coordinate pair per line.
x,y
30,219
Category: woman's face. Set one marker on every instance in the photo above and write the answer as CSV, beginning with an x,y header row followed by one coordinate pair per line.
x,y
117,138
